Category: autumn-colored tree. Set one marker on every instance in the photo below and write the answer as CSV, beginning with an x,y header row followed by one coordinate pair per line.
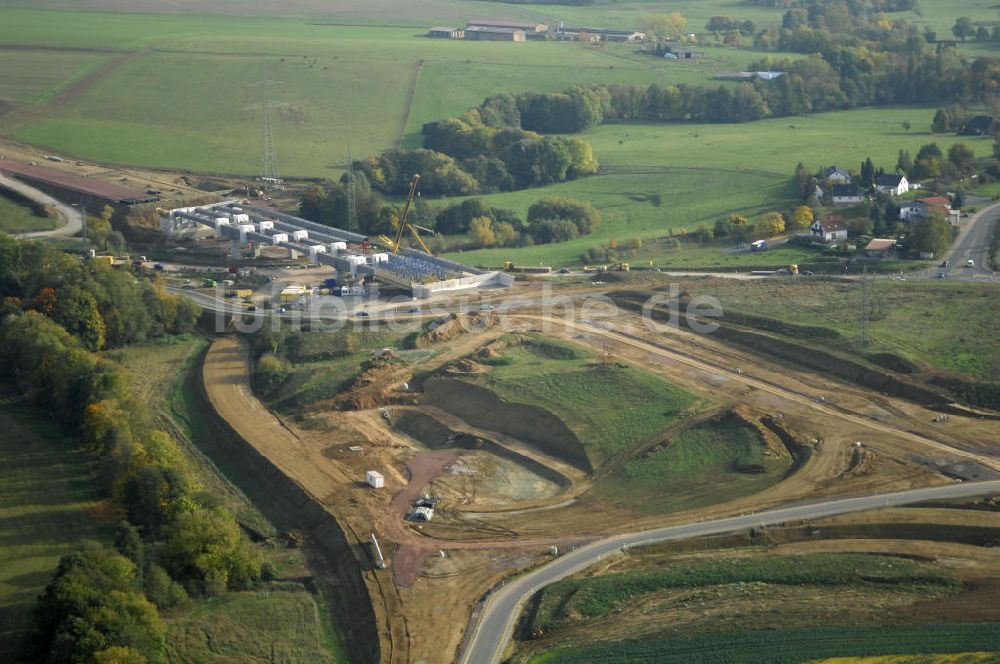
x,y
802,218
481,232
44,301
770,223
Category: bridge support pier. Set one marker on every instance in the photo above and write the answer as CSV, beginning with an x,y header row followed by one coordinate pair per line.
x,y
234,248
292,254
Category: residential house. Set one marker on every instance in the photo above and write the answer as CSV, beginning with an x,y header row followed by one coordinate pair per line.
x,y
923,208
485,33
829,228
836,175
880,248
446,33
845,194
894,185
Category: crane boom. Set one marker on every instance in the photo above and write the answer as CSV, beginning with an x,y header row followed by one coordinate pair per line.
x,y
394,243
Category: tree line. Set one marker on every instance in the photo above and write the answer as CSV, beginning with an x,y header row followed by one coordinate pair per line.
x,y
102,605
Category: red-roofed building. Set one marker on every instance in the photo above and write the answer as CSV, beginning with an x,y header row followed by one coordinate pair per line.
x,y
829,228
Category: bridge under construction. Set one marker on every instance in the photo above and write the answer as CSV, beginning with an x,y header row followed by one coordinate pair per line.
x,y
349,253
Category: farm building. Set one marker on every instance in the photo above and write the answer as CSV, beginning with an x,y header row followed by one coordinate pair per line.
x,y
446,33
981,125
573,33
535,28
880,248
484,33
687,54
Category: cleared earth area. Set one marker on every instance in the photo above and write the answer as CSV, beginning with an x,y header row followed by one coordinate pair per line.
x,y
489,417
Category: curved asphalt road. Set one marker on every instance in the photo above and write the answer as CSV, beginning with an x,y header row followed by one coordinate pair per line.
x,y
974,242
72,216
491,627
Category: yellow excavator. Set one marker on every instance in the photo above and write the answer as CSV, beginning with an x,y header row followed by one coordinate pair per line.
x,y
393,244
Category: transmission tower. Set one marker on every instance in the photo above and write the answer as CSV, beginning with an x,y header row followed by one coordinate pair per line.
x,y
268,157
352,197
865,318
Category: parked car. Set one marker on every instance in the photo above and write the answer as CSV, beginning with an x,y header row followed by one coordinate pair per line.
x,y
487,307
414,310
282,310
941,275
159,267
362,314
970,263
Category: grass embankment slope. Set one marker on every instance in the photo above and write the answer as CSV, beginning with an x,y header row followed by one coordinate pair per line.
x,y
611,407
49,505
282,621
933,325
695,467
17,217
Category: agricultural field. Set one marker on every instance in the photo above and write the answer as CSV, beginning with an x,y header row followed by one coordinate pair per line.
x,y
34,77
16,217
611,407
191,100
49,505
696,467
830,588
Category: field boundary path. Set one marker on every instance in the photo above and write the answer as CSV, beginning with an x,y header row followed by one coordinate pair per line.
x,y
411,95
72,217
493,622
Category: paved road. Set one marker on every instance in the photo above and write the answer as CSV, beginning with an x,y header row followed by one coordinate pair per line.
x,y
974,243
490,630
71,215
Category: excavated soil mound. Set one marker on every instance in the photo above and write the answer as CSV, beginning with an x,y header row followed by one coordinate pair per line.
x,y
455,325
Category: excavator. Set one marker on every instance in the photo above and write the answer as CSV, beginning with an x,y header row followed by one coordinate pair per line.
x,y
393,244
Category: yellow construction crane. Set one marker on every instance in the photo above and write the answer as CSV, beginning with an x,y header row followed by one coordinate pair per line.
x,y
394,243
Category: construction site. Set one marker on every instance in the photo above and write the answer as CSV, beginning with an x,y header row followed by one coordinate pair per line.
x,y
462,450
348,254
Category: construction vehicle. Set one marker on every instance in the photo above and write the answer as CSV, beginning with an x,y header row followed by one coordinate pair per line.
x,y
394,244
509,266
622,267
793,269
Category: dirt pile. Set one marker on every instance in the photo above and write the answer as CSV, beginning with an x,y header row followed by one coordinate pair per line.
x,y
773,446
382,382
456,325
466,367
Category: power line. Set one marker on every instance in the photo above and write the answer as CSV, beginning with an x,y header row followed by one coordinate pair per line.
x,y
352,199
865,317
268,158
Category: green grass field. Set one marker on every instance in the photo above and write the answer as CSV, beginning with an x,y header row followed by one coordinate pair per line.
x,y
702,172
611,408
934,325
698,467
49,505
15,217
281,624
34,77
